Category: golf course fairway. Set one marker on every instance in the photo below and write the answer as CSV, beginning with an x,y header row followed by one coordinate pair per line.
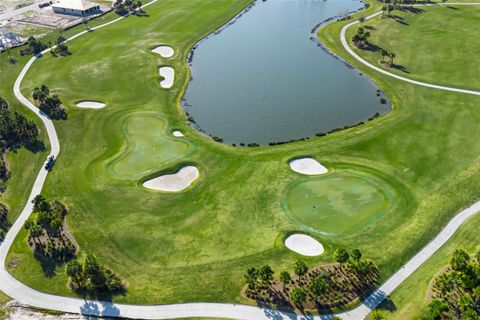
x,y
395,180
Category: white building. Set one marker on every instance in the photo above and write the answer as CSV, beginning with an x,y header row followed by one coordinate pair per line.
x,y
76,7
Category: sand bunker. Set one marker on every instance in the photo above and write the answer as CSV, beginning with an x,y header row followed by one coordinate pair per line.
x,y
307,166
168,74
304,245
164,51
174,182
177,133
91,104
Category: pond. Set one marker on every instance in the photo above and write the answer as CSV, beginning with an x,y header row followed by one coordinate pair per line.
x,y
265,79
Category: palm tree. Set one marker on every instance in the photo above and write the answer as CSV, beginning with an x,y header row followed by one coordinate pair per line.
x,y
85,22
300,268
317,287
392,56
384,55
298,296
285,278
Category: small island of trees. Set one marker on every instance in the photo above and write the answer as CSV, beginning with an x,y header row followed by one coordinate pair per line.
x,y
50,104
456,292
322,288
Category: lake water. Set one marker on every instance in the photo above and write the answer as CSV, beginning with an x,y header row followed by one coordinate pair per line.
x,y
263,79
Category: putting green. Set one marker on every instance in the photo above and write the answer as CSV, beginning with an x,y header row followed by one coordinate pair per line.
x,y
340,203
144,133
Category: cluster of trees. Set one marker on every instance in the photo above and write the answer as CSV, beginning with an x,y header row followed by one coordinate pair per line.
x,y
15,132
34,47
61,48
4,223
387,58
456,291
360,39
88,275
45,231
387,10
123,7
315,288
50,104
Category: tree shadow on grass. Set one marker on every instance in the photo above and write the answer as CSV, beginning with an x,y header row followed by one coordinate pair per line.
x,y
387,305
400,68
93,309
35,146
453,8
414,10
276,313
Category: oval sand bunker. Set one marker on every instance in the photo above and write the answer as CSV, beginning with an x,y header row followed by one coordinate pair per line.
x,y
174,182
164,51
90,104
307,166
177,133
168,75
304,245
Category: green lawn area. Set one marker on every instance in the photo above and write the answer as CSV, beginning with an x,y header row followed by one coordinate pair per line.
x,y
436,45
196,245
339,203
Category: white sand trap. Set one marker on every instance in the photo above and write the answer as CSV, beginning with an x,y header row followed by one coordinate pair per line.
x,y
177,133
168,74
307,166
91,104
174,182
164,51
304,245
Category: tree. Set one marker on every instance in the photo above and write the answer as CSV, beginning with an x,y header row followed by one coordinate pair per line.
x,y
392,56
340,255
285,278
384,54
40,204
435,308
300,268
444,283
266,274
317,287
56,224
73,269
44,219
298,296
356,255
466,302
35,232
361,20
459,261
251,277
376,315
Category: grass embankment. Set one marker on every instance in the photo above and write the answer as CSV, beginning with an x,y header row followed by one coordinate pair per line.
x,y
430,44
196,245
430,55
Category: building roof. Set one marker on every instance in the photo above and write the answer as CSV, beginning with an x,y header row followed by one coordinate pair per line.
x,y
75,4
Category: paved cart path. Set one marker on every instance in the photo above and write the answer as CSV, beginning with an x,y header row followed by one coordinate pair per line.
x,y
29,296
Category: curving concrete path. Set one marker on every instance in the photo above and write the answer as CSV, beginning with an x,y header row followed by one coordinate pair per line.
x,y
390,74
29,296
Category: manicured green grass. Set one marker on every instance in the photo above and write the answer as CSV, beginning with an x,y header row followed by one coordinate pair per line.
x,y
436,45
4,298
196,245
340,203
